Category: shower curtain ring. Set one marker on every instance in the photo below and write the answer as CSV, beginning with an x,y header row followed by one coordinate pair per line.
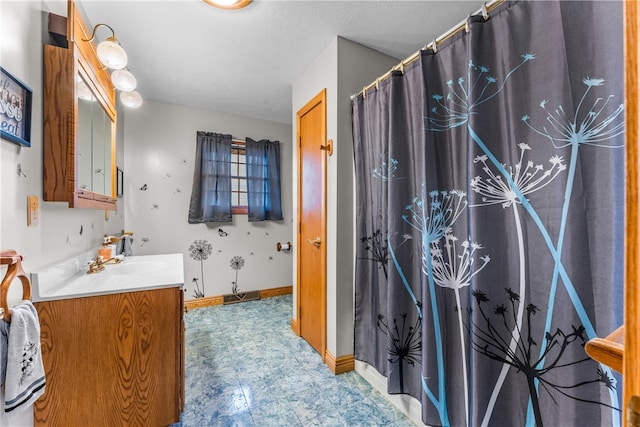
x,y
434,46
485,12
466,24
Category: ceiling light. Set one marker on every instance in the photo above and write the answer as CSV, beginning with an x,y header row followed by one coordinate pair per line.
x,y
123,80
131,99
228,4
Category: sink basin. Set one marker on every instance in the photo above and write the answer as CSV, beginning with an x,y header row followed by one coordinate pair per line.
x,y
69,279
142,267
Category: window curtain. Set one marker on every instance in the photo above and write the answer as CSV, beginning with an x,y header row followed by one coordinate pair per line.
x,y
490,194
211,193
263,180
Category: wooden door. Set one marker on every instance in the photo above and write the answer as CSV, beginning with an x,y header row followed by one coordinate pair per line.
x,y
311,292
631,368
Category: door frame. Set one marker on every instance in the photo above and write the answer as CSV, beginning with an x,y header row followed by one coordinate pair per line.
x,y
320,98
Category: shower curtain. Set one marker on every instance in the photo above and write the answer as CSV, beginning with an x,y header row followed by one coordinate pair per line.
x,y
490,187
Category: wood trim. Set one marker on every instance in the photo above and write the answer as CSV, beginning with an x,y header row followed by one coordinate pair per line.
x,y
203,302
275,292
320,98
609,350
339,365
57,127
219,299
631,362
295,326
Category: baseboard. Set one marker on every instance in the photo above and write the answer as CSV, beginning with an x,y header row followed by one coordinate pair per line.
x,y
295,327
203,302
339,365
276,292
219,299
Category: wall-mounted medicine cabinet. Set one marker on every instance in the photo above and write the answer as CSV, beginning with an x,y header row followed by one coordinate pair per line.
x,y
79,120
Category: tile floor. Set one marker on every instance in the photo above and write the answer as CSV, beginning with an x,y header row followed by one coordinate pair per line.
x,y
245,367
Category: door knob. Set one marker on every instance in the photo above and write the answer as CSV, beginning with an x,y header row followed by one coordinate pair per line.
x,y
316,242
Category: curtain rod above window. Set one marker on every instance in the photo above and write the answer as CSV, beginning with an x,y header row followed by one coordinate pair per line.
x,y
463,25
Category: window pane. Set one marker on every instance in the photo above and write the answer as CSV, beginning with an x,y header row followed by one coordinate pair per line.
x,y
243,199
242,185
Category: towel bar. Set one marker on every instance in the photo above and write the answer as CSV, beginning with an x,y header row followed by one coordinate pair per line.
x,y
14,261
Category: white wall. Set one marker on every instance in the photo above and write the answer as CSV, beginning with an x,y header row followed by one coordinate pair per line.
x,y
343,68
23,31
160,153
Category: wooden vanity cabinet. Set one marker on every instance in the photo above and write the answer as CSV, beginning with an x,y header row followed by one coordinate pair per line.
x,y
113,360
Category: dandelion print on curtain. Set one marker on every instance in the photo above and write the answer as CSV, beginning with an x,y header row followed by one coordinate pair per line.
x,y
490,177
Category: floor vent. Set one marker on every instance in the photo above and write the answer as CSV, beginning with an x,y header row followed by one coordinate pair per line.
x,y
241,297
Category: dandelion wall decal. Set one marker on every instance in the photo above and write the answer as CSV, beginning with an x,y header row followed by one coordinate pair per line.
x,y
200,250
237,262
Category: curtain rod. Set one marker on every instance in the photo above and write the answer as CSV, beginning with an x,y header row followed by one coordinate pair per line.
x,y
463,25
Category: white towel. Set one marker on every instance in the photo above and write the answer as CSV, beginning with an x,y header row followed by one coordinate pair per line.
x,y
24,379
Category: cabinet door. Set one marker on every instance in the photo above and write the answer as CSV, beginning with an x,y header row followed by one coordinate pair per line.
x,y
113,360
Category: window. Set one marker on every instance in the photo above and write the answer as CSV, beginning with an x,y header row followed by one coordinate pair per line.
x,y
239,178
234,177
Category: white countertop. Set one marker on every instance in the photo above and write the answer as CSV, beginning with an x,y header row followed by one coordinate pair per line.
x,y
69,279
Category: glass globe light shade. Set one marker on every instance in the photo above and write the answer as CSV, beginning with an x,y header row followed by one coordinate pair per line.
x,y
112,55
131,99
123,80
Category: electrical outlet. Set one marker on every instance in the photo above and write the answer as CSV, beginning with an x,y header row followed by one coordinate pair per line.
x,y
33,211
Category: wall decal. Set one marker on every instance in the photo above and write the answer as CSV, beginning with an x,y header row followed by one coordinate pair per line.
x,y
155,206
178,190
251,253
237,262
183,161
222,233
19,170
93,227
266,233
166,175
270,258
144,240
68,240
248,233
83,186
81,229
144,187
197,293
200,251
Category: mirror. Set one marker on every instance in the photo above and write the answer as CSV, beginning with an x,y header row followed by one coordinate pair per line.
x,y
93,136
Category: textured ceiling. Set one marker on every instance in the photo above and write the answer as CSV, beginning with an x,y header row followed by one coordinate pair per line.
x,y
245,61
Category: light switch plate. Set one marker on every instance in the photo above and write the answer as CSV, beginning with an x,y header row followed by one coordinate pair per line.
x,y
33,211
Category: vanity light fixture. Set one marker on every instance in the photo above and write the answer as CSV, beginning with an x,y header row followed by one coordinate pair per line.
x,y
228,4
123,80
131,99
112,55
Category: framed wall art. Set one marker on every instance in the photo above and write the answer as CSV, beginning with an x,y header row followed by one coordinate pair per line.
x,y
15,109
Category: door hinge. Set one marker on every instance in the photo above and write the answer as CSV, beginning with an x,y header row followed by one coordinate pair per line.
x,y
299,227
300,141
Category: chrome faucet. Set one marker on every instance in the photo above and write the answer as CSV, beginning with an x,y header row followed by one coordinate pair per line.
x,y
97,265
